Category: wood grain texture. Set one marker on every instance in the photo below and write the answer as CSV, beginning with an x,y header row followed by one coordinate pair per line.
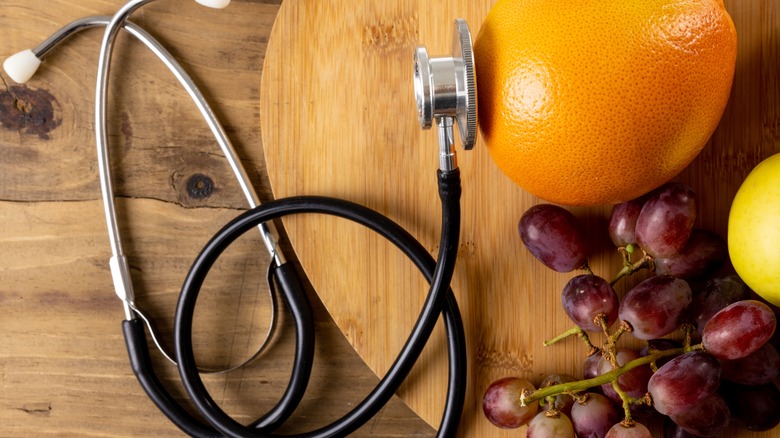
x,y
338,119
63,366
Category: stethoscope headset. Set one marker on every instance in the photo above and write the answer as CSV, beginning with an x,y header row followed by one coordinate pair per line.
x,y
445,89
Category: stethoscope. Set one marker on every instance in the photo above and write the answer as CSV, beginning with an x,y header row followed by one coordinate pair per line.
x,y
445,89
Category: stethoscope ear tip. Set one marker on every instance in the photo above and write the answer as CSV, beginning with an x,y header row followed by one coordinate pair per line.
x,y
216,4
21,66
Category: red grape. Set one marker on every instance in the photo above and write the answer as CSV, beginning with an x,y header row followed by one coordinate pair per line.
x,y
586,296
739,329
704,253
554,236
709,418
654,307
544,426
684,382
562,402
501,403
755,407
666,220
622,222
638,430
634,382
699,389
757,368
590,366
593,417
716,294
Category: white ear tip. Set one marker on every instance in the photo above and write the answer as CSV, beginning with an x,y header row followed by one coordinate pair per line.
x,y
216,4
22,66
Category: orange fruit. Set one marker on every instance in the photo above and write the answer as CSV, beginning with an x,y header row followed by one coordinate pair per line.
x,y
596,102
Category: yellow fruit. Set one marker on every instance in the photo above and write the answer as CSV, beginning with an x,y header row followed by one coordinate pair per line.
x,y
594,102
754,230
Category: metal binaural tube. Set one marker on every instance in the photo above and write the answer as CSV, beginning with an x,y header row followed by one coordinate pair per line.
x,y
119,267
67,31
448,160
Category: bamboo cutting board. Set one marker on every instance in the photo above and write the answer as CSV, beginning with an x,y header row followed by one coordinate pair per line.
x,y
339,119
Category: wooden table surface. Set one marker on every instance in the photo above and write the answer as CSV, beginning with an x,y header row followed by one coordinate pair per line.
x,y
63,366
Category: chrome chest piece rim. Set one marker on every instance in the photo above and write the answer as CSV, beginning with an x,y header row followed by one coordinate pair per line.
x,y
447,86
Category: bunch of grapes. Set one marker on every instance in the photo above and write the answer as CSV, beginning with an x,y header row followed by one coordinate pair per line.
x,y
708,357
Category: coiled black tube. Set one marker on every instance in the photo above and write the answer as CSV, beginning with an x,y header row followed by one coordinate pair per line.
x,y
440,300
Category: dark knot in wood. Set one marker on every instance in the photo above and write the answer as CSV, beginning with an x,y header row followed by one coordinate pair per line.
x,y
200,186
30,110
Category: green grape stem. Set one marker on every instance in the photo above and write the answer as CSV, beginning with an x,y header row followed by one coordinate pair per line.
x,y
586,267
646,262
610,345
688,329
574,331
528,397
628,401
627,420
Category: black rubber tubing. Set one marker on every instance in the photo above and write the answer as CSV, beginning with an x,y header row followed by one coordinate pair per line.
x,y
303,318
141,363
300,308
449,191
440,300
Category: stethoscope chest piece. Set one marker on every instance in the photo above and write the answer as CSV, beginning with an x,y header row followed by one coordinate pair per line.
x,y
446,87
